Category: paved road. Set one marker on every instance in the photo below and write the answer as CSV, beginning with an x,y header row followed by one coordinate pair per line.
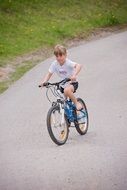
x,y
29,160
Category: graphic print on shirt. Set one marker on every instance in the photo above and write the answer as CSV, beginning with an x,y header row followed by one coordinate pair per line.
x,y
62,72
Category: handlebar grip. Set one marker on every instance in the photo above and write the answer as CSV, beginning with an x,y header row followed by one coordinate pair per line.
x,y
45,83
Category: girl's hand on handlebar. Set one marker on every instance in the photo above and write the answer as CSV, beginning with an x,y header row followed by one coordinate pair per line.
x,y
41,85
73,78
44,84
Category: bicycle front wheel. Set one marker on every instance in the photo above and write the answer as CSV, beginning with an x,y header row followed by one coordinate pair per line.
x,y
57,125
82,118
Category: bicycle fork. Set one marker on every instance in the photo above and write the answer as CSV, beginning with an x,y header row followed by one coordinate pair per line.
x,y
62,114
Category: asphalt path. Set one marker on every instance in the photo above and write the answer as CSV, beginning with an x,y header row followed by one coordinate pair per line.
x,y
29,160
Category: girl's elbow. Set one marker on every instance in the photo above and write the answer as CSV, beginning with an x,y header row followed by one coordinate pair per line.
x,y
80,66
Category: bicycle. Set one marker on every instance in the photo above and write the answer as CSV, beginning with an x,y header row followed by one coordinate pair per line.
x,y
63,114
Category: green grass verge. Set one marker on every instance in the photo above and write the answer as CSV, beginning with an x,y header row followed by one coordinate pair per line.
x,y
19,72
3,86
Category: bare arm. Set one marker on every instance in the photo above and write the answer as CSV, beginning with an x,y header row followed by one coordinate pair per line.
x,y
46,78
77,70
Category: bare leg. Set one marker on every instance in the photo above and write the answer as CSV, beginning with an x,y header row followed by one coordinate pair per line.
x,y
68,92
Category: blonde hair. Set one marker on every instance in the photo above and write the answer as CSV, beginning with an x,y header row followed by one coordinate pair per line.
x,y
60,50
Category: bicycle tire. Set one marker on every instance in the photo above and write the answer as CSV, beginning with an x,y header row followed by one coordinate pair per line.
x,y
49,127
77,125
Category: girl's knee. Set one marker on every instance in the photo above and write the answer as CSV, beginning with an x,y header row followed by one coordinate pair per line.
x,y
67,90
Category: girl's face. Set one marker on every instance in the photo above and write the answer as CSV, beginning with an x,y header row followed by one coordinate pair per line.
x,y
61,58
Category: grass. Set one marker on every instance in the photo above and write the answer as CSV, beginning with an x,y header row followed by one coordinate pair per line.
x,y
20,71
3,86
26,26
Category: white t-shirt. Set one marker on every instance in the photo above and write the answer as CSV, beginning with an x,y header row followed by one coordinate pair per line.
x,y
64,71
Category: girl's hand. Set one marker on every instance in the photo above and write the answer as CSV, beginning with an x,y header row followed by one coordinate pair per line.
x,y
42,84
73,78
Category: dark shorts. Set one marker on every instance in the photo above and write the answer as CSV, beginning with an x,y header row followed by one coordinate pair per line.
x,y
75,85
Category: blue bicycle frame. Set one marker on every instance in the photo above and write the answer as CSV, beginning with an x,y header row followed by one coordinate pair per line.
x,y
70,111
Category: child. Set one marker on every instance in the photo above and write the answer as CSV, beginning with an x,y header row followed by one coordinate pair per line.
x,y
65,68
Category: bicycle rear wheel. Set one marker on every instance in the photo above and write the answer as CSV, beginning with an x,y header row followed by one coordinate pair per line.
x,y
57,126
82,121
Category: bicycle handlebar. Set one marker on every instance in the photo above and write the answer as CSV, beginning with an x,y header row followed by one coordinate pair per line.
x,y
46,84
